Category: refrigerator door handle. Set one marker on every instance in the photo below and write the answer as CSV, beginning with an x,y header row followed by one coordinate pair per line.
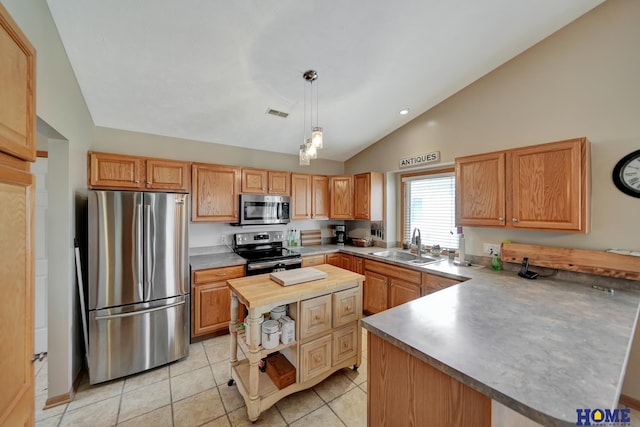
x,y
149,254
136,313
139,273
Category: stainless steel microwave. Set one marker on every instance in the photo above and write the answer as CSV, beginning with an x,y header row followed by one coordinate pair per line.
x,y
259,209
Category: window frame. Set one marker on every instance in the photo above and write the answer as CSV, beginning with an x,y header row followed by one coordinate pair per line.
x,y
427,172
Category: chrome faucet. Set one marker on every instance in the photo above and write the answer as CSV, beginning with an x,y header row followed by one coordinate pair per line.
x,y
417,240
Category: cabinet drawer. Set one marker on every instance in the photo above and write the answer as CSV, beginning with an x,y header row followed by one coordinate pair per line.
x,y
311,260
315,316
316,358
218,274
345,343
346,306
393,271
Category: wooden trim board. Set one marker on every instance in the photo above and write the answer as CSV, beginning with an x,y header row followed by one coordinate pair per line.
x,y
578,260
630,402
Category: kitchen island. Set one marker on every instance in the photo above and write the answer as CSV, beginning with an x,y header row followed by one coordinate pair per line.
x,y
499,345
327,332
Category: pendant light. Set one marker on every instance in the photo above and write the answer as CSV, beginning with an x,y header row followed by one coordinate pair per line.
x,y
315,142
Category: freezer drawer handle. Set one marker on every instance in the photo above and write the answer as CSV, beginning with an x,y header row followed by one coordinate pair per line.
x,y
135,313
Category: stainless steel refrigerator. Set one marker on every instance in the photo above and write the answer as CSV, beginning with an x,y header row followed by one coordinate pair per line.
x,y
138,282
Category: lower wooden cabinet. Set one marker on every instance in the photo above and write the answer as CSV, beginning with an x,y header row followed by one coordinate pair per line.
x,y
315,316
311,260
344,343
211,299
316,357
387,285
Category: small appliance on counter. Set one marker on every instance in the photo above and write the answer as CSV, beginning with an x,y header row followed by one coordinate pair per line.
x,y
341,235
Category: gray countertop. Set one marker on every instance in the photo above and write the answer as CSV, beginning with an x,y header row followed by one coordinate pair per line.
x,y
543,348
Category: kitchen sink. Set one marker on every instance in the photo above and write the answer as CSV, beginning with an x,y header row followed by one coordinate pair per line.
x,y
406,257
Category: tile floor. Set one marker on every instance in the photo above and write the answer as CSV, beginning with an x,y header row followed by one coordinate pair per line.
x,y
194,392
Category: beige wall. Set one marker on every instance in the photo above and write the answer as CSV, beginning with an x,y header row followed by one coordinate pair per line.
x,y
142,144
582,81
61,106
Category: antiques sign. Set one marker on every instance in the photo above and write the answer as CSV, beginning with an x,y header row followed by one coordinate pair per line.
x,y
420,159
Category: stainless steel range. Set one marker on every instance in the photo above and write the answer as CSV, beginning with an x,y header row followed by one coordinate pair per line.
x,y
265,252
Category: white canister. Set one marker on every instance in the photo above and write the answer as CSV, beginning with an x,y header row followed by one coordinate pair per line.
x,y
278,312
270,334
246,328
287,329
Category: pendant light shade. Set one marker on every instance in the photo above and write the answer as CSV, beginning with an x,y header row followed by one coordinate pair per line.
x,y
309,150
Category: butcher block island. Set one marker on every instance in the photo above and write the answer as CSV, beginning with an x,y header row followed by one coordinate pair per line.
x,y
327,316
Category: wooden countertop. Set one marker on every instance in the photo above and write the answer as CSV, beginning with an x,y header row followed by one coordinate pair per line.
x,y
260,290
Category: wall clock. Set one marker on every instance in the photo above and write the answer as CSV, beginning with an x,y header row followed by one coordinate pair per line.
x,y
626,174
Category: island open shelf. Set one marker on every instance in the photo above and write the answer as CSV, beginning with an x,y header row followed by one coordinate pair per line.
x,y
327,316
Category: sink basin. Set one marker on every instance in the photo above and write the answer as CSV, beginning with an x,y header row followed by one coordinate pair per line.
x,y
406,257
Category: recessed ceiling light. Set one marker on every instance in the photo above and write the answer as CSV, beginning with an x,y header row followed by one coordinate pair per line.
x,y
404,111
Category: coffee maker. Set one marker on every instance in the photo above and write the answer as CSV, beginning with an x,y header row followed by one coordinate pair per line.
x,y
341,235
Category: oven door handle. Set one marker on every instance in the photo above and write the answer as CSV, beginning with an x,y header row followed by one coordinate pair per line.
x,y
267,264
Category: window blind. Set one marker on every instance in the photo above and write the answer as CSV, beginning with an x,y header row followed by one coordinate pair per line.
x,y
429,205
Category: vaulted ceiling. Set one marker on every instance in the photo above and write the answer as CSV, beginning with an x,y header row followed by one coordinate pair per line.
x,y
209,70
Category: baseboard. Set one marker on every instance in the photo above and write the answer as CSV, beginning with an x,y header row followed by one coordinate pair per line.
x,y
630,402
66,397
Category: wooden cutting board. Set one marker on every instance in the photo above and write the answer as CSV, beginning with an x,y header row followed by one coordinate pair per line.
x,y
310,237
298,275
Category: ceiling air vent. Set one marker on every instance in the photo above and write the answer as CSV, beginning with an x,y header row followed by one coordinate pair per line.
x,y
277,113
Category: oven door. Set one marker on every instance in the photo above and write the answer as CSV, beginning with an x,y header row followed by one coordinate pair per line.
x,y
261,267
256,210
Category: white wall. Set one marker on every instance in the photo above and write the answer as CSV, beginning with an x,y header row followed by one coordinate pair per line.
x,y
581,81
60,104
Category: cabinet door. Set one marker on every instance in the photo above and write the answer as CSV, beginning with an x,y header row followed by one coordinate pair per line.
x,y
17,89
315,316
549,186
334,259
212,299
432,283
215,192
300,196
345,343
254,181
346,261
346,307
315,357
341,205
368,196
319,197
167,175
279,183
480,190
358,265
375,292
17,306
401,291
115,171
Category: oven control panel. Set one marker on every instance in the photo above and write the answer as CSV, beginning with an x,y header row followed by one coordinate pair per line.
x,y
259,237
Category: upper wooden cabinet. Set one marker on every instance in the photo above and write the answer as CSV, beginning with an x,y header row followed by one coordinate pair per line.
x,y
300,196
261,181
309,196
117,171
368,195
319,197
214,195
341,196
18,89
541,187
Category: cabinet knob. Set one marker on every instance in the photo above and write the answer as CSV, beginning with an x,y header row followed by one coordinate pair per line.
x,y
501,219
148,182
317,317
514,219
136,181
221,274
347,308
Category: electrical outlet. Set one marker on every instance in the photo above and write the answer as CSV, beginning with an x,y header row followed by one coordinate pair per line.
x,y
223,239
492,249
